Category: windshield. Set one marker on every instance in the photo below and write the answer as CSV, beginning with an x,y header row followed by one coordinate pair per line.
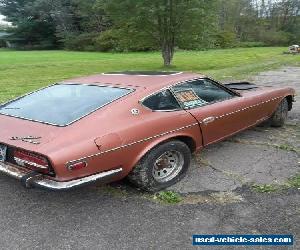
x,y
62,104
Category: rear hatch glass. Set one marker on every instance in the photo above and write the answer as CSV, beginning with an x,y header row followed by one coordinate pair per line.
x,y
62,104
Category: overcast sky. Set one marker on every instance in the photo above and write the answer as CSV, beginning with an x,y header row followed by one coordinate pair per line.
x,y
1,19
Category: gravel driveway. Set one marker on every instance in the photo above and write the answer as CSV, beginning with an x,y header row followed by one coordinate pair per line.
x,y
217,192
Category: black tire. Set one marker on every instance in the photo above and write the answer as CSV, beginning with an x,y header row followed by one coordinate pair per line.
x,y
279,118
142,175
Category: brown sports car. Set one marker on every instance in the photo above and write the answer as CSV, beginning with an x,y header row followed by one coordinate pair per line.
x,y
143,125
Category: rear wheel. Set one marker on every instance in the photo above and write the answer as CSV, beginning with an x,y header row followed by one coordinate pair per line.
x,y
162,167
280,116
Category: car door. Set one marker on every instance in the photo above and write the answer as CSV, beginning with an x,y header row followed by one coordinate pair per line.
x,y
219,111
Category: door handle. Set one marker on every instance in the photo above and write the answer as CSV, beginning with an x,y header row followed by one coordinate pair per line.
x,y
208,119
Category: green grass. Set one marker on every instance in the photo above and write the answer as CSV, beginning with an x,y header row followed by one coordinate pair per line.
x,y
168,197
265,188
23,71
292,182
287,148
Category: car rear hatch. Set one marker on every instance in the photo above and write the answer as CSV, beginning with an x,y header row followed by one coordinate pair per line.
x,y
22,141
26,134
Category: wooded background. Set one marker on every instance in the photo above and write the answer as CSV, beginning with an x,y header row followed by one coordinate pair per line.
x,y
144,25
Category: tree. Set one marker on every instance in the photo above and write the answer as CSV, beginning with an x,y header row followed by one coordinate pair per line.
x,y
143,25
78,23
164,21
33,27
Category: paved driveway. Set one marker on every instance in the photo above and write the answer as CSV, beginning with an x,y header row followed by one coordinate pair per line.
x,y
217,198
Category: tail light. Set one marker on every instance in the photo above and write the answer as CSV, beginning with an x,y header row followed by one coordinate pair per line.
x,y
32,161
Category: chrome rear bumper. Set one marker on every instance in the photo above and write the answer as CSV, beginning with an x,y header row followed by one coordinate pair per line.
x,y
34,179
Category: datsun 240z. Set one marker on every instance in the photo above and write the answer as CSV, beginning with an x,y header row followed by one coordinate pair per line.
x,y
139,125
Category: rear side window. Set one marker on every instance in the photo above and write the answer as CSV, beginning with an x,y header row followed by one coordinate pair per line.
x,y
162,101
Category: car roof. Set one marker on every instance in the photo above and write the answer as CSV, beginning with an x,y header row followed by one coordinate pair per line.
x,y
136,79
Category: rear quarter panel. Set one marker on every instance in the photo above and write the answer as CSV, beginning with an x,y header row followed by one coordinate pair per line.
x,y
114,137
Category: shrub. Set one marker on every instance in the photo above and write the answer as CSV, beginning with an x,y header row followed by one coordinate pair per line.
x,y
251,44
81,42
107,41
2,43
122,40
271,37
226,39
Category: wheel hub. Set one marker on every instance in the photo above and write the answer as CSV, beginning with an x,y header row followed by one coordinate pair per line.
x,y
168,166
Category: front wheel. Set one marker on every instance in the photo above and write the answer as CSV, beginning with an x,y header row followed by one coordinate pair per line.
x,y
162,167
280,116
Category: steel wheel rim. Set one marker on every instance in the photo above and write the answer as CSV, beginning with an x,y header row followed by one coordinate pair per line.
x,y
167,166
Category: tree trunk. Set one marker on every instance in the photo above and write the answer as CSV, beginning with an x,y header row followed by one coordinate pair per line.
x,y
167,53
